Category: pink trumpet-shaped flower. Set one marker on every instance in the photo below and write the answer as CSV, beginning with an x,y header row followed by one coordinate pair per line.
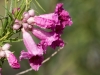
x,y
48,38
13,62
46,21
34,54
56,21
64,18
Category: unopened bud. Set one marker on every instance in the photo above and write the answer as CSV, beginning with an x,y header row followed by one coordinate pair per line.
x,y
17,21
16,26
30,26
2,54
15,10
26,15
6,46
30,20
31,12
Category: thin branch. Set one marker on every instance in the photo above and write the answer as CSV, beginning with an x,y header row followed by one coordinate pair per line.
x,y
30,69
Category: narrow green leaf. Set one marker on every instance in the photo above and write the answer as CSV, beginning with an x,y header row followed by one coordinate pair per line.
x,y
4,26
11,5
1,30
39,5
7,20
35,7
6,3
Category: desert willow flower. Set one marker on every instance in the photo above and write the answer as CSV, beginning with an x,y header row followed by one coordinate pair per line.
x,y
34,54
12,60
56,21
48,38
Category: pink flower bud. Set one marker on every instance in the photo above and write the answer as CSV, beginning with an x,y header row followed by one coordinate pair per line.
x,y
31,12
15,10
2,54
16,26
25,25
17,21
26,15
24,20
30,26
31,20
6,46
13,62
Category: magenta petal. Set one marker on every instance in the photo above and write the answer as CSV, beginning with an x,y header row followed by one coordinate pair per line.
x,y
30,44
48,37
35,62
47,20
13,62
25,55
63,17
44,46
59,8
50,16
57,43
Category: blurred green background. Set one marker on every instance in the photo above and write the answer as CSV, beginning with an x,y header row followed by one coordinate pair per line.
x,y
81,56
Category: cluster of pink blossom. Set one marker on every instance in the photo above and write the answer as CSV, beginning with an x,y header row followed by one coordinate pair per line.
x,y
55,22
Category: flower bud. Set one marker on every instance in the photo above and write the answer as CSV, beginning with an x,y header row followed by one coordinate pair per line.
x,y
2,54
25,25
30,20
24,20
15,10
16,21
6,46
26,15
31,12
16,26
30,26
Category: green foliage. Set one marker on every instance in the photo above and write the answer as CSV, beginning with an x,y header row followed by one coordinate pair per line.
x,y
7,22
